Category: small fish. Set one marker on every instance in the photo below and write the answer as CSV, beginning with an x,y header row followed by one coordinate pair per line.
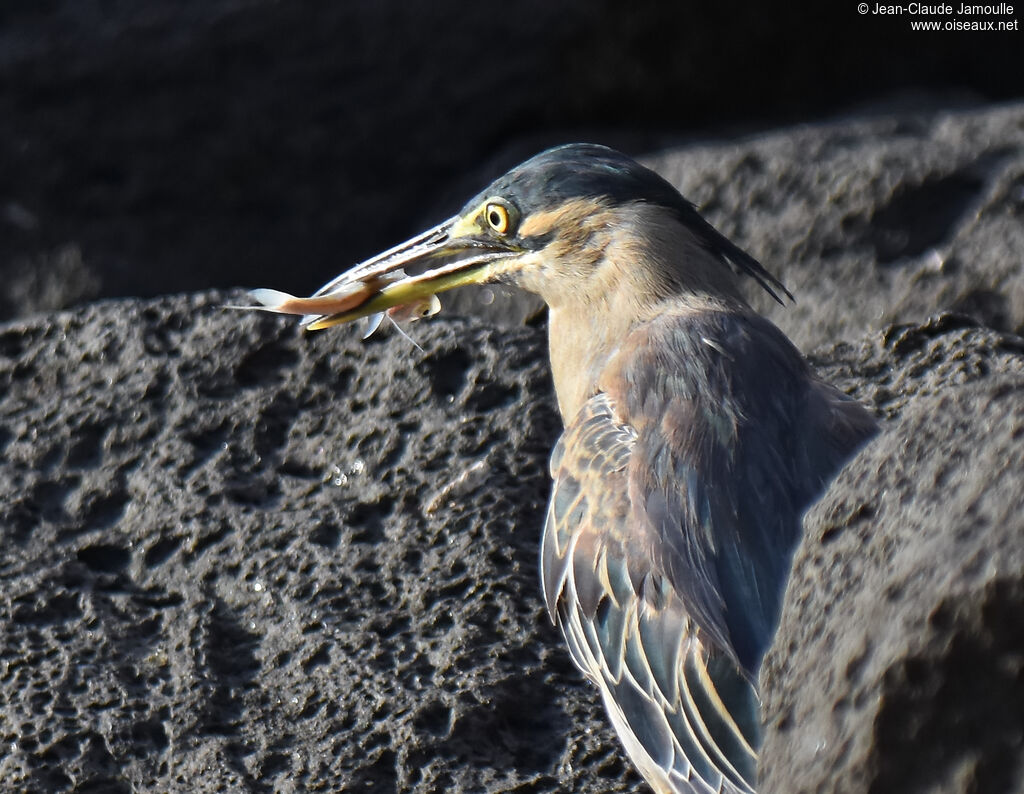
x,y
326,306
417,310
409,312
271,300
340,300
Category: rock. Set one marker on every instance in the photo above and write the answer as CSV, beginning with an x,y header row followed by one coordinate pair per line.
x,y
899,661
237,557
240,557
174,148
874,221
902,217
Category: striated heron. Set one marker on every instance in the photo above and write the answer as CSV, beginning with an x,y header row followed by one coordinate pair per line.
x,y
695,437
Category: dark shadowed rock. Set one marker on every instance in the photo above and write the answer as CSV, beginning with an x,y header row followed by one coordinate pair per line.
x,y
167,146
899,663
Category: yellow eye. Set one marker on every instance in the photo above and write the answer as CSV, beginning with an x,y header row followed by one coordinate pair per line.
x,y
497,217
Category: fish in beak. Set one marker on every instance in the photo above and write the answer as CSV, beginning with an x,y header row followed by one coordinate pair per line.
x,y
402,281
409,312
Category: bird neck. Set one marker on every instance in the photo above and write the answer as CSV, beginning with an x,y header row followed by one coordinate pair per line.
x,y
582,345
651,265
579,348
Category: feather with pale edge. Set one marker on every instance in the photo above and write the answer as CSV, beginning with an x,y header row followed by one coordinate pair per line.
x,y
677,499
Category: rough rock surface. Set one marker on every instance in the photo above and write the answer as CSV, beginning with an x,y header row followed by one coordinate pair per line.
x,y
901,217
899,662
872,222
239,558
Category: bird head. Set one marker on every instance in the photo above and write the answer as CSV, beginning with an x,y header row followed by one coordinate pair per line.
x,y
576,225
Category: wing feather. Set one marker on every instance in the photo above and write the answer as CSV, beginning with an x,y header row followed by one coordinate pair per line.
x,y
677,497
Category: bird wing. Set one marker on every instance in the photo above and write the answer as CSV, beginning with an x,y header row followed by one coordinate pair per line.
x,y
678,492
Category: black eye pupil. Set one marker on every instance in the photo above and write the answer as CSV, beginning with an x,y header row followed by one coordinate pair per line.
x,y
495,218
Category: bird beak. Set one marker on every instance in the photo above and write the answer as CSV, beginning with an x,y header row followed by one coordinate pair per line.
x,y
452,254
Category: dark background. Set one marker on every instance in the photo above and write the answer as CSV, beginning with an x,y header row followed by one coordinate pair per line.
x,y
151,147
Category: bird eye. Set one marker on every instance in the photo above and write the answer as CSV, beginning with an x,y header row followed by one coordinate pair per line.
x,y
497,217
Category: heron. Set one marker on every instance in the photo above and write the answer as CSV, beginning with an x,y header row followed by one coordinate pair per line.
x,y
695,437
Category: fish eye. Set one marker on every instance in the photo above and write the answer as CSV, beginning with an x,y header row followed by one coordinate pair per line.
x,y
498,217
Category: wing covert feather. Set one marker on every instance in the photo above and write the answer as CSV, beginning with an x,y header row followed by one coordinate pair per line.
x,y
677,498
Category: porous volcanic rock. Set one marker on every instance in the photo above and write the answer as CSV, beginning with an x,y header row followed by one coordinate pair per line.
x,y
899,661
241,558
873,221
